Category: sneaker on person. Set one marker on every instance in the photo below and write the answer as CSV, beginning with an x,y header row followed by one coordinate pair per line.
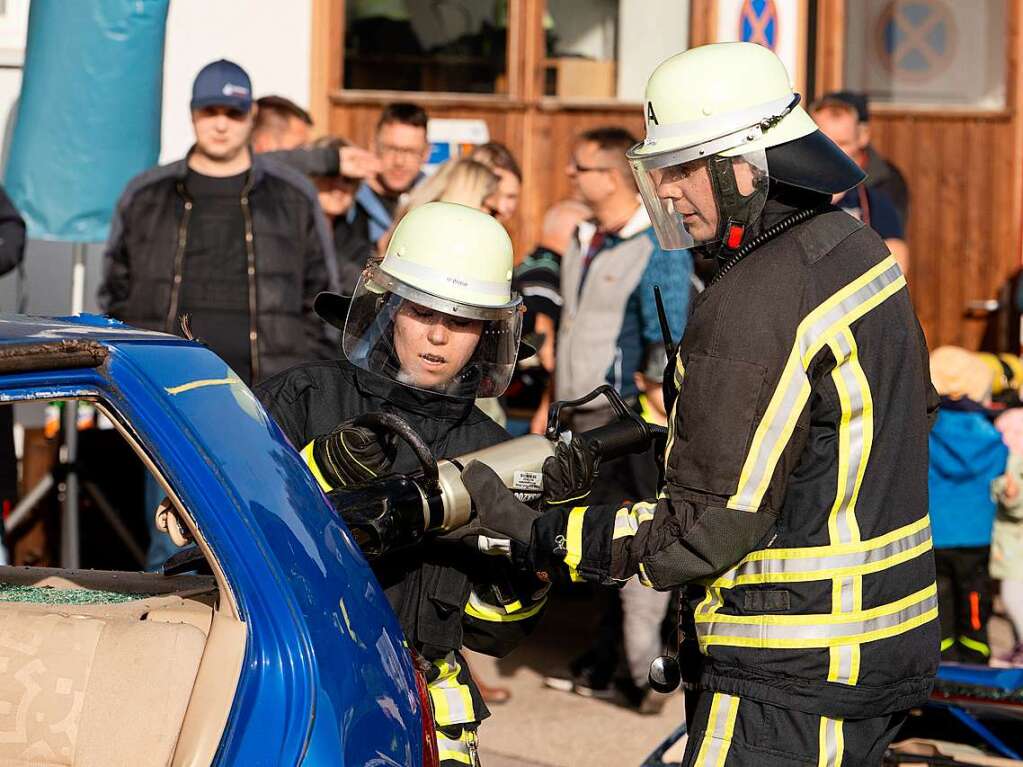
x,y
582,684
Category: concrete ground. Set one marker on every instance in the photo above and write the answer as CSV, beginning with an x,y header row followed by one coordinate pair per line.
x,y
540,727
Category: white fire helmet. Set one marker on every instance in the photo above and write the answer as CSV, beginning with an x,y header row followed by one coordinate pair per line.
x,y
438,313
717,110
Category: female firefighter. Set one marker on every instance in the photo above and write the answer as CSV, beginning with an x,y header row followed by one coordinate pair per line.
x,y
795,496
430,328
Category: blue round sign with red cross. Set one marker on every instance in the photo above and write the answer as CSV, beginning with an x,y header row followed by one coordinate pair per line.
x,y
916,39
758,23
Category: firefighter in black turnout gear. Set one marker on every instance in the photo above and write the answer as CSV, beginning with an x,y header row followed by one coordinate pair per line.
x,y
794,506
422,345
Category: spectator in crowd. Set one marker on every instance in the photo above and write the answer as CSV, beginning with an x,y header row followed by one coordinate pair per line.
x,y
607,278
403,149
881,173
502,162
966,455
631,626
236,243
609,316
336,193
839,121
233,242
461,180
1007,534
538,280
280,124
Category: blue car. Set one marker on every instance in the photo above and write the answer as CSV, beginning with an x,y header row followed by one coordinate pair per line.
x,y
286,653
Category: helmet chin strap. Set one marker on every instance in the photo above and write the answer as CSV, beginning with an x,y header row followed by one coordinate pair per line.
x,y
736,217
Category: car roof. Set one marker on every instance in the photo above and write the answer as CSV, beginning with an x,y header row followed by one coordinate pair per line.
x,y
22,329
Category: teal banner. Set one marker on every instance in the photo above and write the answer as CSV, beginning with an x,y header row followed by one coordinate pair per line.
x,y
89,114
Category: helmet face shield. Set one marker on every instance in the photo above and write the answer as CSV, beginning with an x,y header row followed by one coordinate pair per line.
x,y
431,343
697,200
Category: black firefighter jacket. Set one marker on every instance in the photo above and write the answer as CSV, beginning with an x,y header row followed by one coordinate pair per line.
x,y
439,590
289,248
795,496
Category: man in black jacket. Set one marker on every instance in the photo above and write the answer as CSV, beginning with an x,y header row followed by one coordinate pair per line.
x,y
234,242
794,506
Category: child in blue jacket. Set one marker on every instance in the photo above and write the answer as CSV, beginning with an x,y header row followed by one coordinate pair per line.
x,y
967,453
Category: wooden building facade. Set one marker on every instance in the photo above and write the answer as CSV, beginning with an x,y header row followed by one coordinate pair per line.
x,y
963,163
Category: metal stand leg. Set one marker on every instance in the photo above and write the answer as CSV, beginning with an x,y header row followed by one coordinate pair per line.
x,y
70,549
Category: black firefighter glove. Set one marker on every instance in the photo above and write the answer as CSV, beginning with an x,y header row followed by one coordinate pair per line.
x,y
569,473
503,524
351,455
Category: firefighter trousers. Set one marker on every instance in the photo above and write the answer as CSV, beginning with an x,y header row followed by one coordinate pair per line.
x,y
728,731
964,603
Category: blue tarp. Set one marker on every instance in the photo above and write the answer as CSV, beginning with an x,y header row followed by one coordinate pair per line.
x,y
89,115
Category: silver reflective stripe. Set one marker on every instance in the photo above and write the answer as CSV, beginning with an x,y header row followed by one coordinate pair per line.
x,y
845,662
720,725
823,567
854,453
449,749
628,520
794,388
830,743
823,627
814,334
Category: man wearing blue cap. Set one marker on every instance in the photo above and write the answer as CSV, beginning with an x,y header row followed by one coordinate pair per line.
x,y
227,244
234,241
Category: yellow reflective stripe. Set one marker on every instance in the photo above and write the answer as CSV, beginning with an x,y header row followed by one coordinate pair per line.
x,y
855,435
453,750
973,644
484,611
720,727
946,643
832,743
628,520
793,389
680,374
826,562
574,542
452,701
307,456
843,548
644,578
855,438
819,631
824,619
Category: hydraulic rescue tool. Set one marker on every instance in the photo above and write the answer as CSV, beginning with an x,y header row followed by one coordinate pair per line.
x,y
399,510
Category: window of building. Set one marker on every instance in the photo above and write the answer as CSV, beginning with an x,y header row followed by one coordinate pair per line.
x,y
925,52
606,49
427,45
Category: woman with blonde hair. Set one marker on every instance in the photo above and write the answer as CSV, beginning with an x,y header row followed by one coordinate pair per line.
x,y
464,181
